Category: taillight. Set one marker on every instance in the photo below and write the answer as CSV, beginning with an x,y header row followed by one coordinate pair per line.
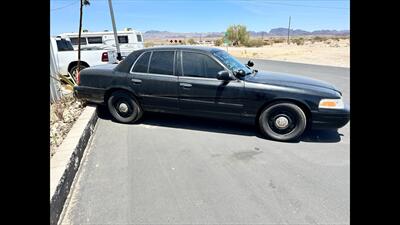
x,y
78,78
104,57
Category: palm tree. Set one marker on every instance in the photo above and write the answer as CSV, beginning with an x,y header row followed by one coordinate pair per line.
x,y
83,3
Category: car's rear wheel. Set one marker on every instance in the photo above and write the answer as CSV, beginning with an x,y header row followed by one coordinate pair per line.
x,y
124,107
283,121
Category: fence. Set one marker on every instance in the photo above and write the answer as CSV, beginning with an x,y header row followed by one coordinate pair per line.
x,y
55,88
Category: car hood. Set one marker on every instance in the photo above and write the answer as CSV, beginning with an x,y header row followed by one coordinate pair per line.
x,y
288,80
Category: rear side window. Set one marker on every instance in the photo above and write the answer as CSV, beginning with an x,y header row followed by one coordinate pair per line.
x,y
122,39
64,45
162,62
200,65
192,65
95,40
139,38
74,41
142,63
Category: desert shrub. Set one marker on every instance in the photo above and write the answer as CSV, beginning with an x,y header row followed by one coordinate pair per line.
x,y
148,44
319,39
254,43
279,40
191,41
268,42
298,41
218,42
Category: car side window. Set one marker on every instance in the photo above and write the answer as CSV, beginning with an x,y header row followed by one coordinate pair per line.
x,y
199,65
142,63
211,67
162,62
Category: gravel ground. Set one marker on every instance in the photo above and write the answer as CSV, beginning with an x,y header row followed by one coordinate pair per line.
x,y
63,114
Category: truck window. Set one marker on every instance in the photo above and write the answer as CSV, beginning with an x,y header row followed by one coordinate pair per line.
x,y
142,63
139,38
95,40
74,41
162,62
64,45
123,39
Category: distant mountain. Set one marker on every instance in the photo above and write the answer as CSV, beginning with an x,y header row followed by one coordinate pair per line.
x,y
155,34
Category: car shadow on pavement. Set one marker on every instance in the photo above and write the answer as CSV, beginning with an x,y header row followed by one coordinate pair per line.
x,y
219,126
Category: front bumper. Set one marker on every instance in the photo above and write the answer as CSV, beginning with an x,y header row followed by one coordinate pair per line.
x,y
330,118
90,94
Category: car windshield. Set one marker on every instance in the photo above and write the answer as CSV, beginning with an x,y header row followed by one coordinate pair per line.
x,y
230,62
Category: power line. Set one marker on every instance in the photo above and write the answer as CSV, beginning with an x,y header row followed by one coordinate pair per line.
x,y
309,6
65,6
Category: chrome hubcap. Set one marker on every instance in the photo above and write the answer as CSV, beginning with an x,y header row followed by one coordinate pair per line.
x,y
123,107
281,122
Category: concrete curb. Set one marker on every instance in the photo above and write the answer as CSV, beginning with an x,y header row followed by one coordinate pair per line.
x,y
65,162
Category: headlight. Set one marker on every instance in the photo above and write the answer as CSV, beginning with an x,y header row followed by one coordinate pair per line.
x,y
331,104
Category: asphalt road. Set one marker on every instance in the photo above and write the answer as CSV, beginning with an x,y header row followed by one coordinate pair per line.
x,y
174,170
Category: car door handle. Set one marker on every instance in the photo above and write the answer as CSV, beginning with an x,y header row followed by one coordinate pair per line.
x,y
185,85
136,81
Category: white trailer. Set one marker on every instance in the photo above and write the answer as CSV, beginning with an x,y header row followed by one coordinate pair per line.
x,y
129,40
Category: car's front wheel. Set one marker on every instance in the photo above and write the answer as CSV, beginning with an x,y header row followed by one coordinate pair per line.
x,y
124,107
283,121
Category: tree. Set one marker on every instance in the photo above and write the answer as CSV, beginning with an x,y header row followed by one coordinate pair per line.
x,y
237,34
83,3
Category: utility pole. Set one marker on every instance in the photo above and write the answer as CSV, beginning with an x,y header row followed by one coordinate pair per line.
x,y
288,33
119,57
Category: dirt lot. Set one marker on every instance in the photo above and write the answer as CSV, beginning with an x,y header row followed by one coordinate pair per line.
x,y
329,53
326,51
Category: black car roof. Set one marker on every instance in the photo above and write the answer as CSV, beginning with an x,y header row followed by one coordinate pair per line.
x,y
184,47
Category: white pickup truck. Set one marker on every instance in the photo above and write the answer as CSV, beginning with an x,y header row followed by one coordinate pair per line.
x,y
67,57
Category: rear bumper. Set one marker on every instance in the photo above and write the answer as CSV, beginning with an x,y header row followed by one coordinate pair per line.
x,y
90,94
330,118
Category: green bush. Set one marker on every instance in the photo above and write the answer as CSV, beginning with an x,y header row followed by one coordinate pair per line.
x,y
254,43
218,42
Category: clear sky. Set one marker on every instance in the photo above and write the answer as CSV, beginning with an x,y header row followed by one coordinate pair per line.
x,y
200,15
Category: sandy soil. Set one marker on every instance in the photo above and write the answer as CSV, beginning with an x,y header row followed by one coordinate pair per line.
x,y
63,115
331,53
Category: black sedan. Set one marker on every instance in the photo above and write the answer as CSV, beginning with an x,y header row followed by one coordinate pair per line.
x,y
208,82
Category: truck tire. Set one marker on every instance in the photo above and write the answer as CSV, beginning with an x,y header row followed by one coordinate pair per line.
x,y
73,70
124,107
282,121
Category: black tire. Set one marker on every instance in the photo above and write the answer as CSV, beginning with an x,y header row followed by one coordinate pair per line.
x,y
72,71
133,112
283,121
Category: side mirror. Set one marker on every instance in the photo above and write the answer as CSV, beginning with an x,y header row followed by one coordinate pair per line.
x,y
224,75
250,63
240,73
